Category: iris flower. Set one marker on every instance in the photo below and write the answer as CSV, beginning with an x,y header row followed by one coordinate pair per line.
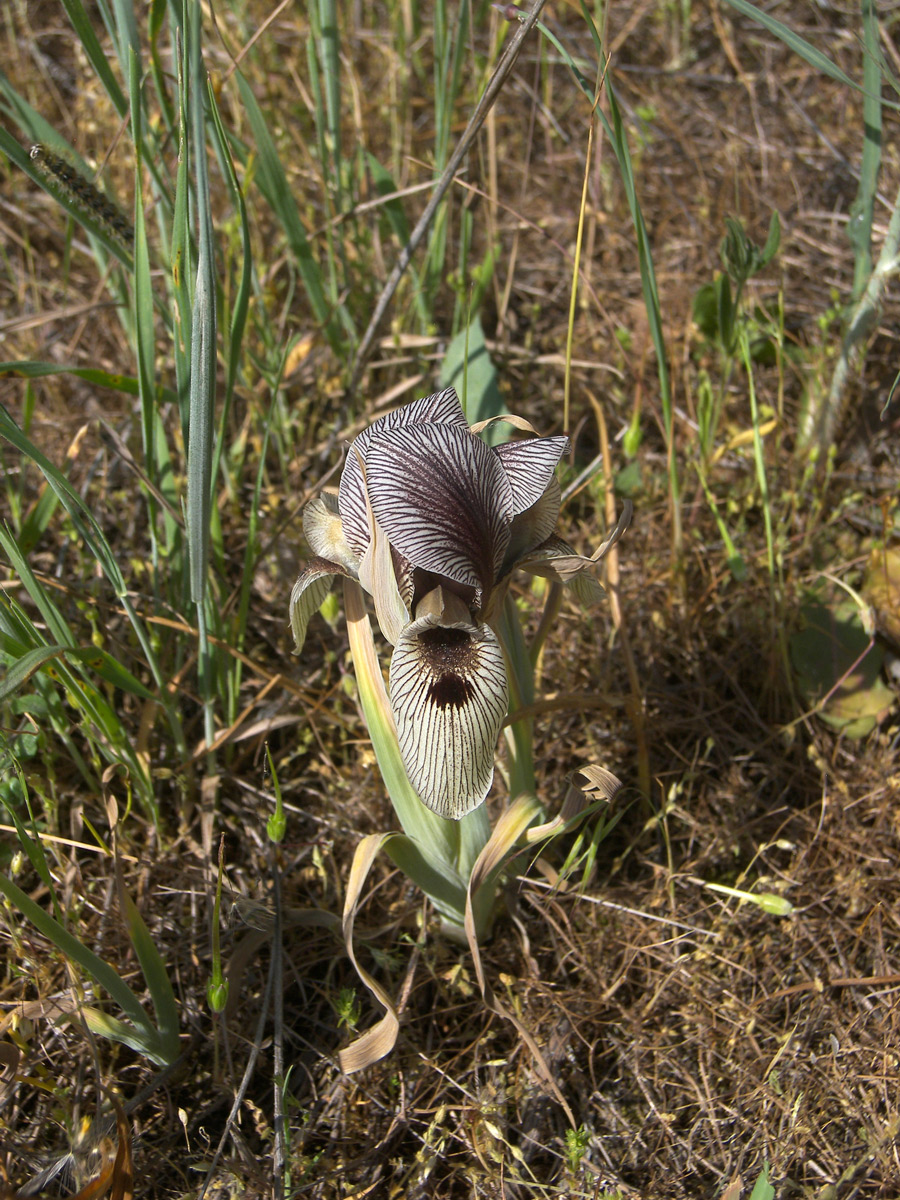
x,y
432,521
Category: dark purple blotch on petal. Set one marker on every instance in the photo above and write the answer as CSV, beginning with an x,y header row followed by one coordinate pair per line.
x,y
449,654
451,691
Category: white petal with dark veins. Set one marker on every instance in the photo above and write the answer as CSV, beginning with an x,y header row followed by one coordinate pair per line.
x,y
529,466
449,694
443,408
324,532
308,594
443,499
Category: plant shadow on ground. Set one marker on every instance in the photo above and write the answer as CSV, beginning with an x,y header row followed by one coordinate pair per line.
x,y
694,1035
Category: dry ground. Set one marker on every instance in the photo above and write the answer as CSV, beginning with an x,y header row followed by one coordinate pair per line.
x,y
694,1036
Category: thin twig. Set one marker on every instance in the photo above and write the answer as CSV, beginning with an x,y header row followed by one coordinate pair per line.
x,y
280,1155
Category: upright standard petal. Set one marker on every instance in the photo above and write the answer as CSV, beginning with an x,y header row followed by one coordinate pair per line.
x,y
443,499
533,526
443,408
555,559
309,592
529,466
449,694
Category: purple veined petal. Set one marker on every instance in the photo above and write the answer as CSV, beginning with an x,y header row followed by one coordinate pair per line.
x,y
309,592
529,466
449,695
533,526
443,499
554,559
557,561
323,530
443,408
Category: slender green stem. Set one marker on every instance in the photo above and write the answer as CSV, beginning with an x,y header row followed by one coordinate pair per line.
x,y
519,734
759,460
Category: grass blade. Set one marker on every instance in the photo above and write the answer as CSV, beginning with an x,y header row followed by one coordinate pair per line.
x,y
201,423
862,212
154,971
274,186
94,966
242,296
815,58
143,302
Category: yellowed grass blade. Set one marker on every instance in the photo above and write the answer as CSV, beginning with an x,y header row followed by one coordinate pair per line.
x,y
507,418
378,1041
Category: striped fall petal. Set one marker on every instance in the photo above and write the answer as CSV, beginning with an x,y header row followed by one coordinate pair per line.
x,y
449,695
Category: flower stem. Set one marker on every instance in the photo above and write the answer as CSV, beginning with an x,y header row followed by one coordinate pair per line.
x,y
521,694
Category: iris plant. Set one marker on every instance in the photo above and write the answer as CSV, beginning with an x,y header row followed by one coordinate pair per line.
x,y
431,522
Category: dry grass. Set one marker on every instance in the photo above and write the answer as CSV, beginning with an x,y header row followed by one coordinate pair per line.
x,y
694,1036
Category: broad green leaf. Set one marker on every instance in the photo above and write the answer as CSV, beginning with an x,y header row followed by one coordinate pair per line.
x,y
145,1042
725,312
155,974
773,241
468,367
762,1189
838,664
